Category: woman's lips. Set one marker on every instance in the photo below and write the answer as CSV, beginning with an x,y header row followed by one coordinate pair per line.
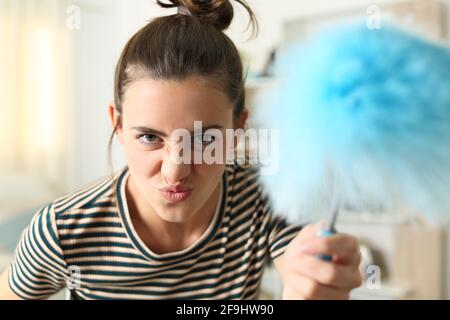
x,y
176,194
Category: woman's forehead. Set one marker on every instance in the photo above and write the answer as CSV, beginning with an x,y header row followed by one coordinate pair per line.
x,y
173,104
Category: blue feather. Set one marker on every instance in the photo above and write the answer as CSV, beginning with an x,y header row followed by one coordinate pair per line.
x,y
364,119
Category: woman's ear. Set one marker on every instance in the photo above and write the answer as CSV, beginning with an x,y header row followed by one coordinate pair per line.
x,y
114,117
241,122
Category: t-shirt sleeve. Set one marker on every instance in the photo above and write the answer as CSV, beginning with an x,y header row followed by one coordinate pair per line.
x,y
280,234
279,231
38,269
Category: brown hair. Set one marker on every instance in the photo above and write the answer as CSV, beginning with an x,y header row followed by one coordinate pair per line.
x,y
178,46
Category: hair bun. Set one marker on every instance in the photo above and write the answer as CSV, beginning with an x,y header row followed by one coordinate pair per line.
x,y
217,12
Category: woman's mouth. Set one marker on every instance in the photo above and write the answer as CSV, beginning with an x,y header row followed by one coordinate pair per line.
x,y
176,194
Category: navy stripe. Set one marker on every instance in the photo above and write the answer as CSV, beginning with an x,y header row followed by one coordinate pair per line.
x,y
222,235
86,235
104,189
284,243
30,242
62,203
95,245
106,204
193,288
29,250
209,267
22,256
22,289
250,200
250,183
79,216
101,254
91,225
47,244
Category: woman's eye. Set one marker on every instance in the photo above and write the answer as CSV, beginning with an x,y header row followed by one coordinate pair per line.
x,y
148,138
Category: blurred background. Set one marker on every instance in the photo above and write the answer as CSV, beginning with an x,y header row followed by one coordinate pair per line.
x,y
57,60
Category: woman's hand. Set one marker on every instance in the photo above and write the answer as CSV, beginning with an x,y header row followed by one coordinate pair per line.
x,y
305,276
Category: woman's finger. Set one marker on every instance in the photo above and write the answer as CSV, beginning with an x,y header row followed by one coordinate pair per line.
x,y
343,246
330,274
300,287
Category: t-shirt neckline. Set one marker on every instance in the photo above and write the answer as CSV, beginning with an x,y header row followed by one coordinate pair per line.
x,y
139,245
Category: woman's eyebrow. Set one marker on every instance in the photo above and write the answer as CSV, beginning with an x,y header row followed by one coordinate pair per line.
x,y
147,130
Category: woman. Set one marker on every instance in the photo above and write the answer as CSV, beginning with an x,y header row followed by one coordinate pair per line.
x,y
161,228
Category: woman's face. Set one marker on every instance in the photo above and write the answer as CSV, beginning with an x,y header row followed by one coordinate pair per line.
x,y
151,111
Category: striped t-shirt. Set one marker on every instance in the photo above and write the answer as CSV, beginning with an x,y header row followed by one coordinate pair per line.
x,y
85,241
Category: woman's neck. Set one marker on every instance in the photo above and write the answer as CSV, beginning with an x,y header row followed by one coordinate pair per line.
x,y
162,236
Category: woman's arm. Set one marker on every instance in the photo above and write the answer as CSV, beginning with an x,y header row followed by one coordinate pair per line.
x,y
38,269
5,291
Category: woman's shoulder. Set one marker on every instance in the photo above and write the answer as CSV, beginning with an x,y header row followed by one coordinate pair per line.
x,y
100,191
244,180
243,169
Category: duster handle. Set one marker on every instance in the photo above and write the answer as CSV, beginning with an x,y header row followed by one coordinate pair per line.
x,y
328,232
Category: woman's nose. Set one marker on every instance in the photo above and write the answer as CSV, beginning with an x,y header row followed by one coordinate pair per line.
x,y
174,170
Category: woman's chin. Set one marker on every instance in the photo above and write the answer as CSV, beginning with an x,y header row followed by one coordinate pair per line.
x,y
175,216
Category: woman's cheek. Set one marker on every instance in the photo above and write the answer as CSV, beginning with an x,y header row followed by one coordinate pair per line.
x,y
146,163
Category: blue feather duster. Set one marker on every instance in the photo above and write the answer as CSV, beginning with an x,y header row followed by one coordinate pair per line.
x,y
364,120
